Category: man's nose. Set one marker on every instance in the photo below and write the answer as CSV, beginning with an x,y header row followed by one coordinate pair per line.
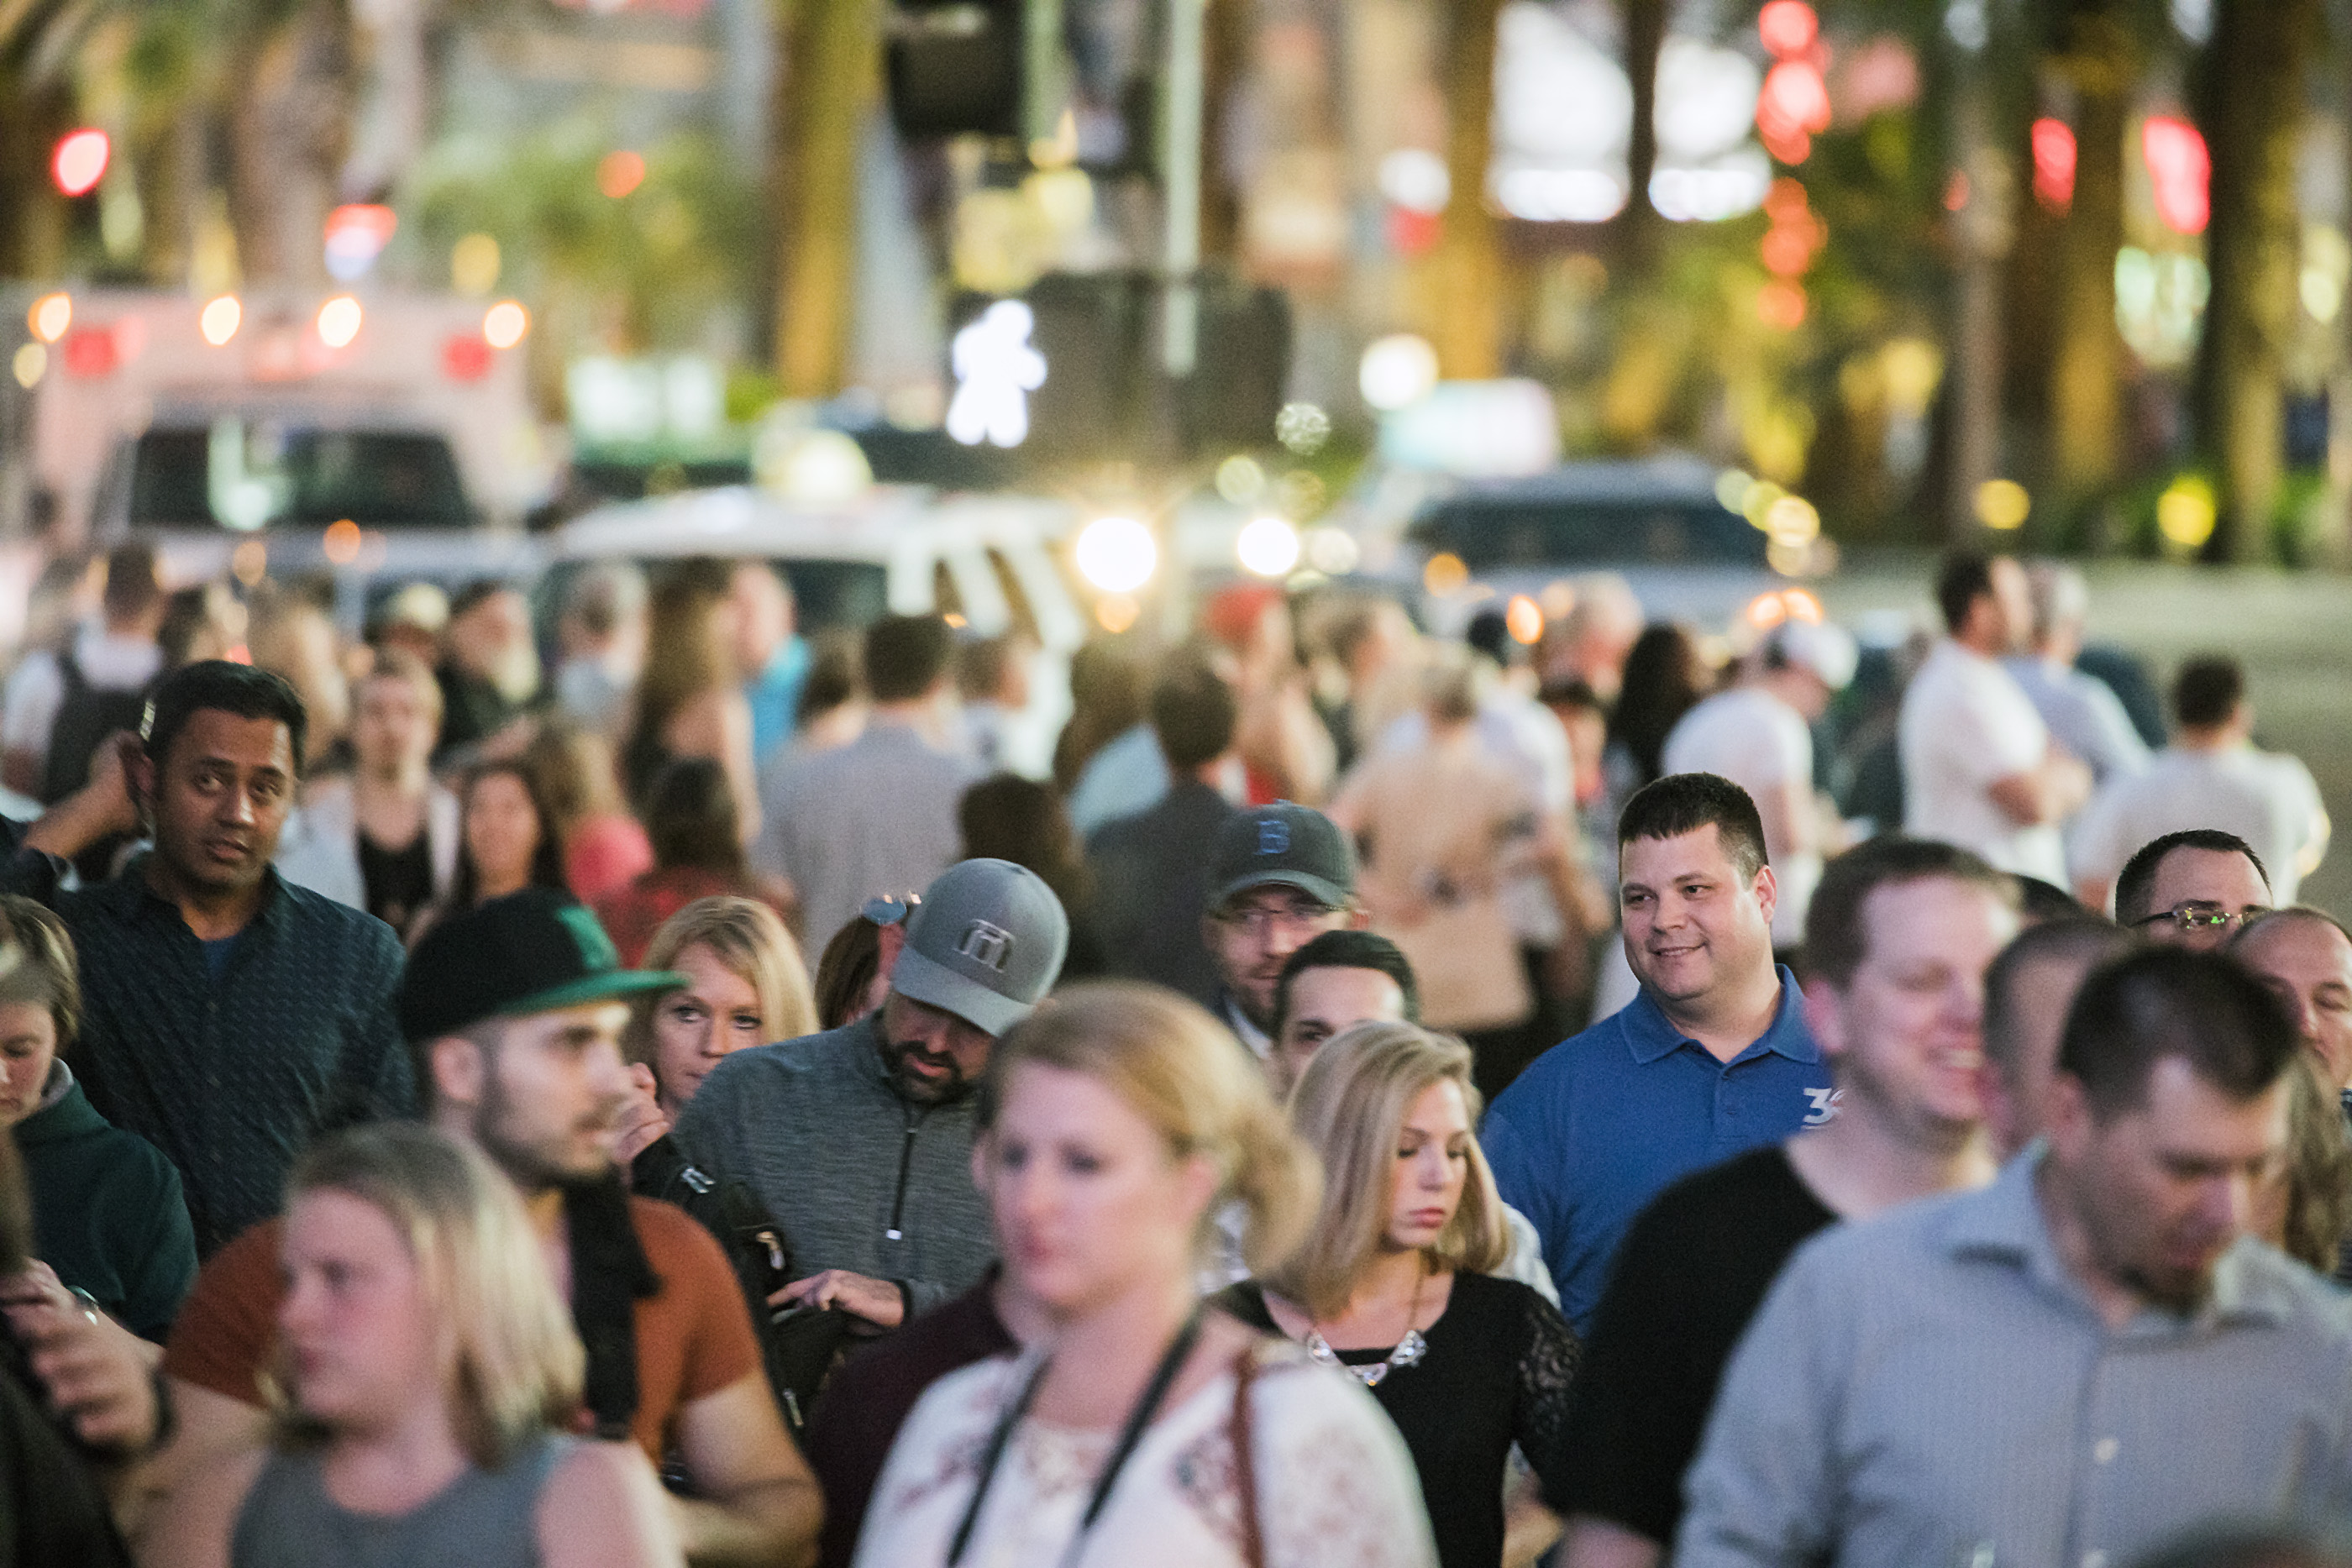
x,y
237,805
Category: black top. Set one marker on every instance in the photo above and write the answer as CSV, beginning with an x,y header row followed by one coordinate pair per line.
x,y
231,1077
1151,887
1497,1369
399,882
1692,1271
53,1509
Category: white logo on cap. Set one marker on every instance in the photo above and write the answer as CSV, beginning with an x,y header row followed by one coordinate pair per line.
x,y
1273,836
987,945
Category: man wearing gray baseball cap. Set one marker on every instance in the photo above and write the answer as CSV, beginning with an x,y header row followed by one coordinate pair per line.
x,y
858,1141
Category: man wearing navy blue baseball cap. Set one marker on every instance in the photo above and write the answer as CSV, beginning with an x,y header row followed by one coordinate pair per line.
x,y
858,1140
1283,875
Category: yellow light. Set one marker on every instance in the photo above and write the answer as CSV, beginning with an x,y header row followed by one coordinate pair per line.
x,y
504,324
2185,513
474,265
250,561
1524,618
1792,522
1268,546
50,315
1240,480
1118,554
342,541
2002,504
1731,487
1117,613
1558,598
1445,574
339,321
31,363
220,320
1758,503
1788,560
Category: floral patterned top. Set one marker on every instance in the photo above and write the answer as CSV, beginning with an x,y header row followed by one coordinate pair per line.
x,y
1335,1486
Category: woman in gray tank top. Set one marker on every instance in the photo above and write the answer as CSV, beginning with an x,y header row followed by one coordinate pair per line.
x,y
425,1367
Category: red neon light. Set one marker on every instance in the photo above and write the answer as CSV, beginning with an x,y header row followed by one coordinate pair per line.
x,y
2181,170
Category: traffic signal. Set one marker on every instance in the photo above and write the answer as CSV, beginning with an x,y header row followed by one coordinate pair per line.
x,y
1103,395
955,68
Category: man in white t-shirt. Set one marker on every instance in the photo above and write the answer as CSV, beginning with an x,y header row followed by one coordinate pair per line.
x,y
1758,734
1979,767
2211,776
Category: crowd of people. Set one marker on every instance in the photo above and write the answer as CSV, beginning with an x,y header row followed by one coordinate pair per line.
x,y
690,1094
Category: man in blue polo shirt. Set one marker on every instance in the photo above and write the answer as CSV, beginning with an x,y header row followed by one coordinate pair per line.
x,y
1713,1058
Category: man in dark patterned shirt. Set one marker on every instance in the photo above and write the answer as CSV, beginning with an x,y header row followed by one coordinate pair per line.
x,y
227,1011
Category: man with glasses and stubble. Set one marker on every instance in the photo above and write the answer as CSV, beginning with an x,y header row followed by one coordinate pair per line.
x,y
1282,875
2192,889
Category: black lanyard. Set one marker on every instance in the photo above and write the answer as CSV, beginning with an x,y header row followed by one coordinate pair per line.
x,y
1146,1407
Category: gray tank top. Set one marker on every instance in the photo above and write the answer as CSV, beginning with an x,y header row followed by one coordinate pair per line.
x,y
481,1519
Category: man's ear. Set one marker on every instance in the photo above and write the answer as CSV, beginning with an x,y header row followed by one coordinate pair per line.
x,y
139,778
458,1069
1358,918
1767,892
2068,1121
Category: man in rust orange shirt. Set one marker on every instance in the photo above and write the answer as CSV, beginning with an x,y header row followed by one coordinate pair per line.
x,y
514,1012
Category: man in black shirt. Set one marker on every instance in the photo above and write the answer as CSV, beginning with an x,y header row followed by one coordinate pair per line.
x,y
226,1010
1898,941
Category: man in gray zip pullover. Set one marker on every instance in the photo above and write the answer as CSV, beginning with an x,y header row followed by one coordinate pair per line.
x,y
858,1141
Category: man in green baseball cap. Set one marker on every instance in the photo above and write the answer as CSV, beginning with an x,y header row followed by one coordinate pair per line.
x,y
513,1012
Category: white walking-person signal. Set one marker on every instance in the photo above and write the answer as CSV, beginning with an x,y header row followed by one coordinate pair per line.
x,y
996,369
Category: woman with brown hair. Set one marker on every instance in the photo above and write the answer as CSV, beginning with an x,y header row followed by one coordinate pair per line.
x,y
1391,1283
506,842
690,701
1139,1429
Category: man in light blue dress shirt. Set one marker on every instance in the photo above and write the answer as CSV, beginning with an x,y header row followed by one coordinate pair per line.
x,y
2070,1367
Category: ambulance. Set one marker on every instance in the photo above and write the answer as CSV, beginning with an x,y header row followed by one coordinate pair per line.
x,y
359,434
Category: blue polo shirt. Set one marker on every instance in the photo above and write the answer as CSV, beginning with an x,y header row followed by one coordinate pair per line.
x,y
1603,1121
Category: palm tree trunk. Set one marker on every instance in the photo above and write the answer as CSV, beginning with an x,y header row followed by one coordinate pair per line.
x,y
2086,391
2252,109
1469,270
830,83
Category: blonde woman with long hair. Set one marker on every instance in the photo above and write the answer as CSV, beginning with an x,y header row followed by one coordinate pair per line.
x,y
1393,1283
1141,1429
426,1371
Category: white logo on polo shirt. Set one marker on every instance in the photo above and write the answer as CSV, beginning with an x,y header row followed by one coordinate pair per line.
x,y
1825,1101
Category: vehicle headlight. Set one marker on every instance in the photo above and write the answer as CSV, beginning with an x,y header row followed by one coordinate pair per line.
x,y
1118,554
1268,546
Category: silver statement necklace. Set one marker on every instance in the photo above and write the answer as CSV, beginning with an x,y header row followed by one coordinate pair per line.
x,y
1408,1352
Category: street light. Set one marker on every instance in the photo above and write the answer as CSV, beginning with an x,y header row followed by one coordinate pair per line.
x,y
1118,554
80,161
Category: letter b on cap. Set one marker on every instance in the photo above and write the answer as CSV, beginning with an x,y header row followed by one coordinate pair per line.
x,y
1273,836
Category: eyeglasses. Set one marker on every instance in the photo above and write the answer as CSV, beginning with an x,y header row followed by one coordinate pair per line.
x,y
2198,916
1260,919
890,908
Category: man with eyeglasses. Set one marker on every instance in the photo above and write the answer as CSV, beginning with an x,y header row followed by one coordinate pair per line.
x,y
2192,889
1282,875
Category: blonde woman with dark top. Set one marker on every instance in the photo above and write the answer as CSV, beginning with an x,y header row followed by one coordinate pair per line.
x,y
1393,1283
425,1374
1139,1429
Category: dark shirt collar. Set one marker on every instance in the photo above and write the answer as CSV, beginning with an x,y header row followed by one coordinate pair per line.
x,y
1650,1035
130,892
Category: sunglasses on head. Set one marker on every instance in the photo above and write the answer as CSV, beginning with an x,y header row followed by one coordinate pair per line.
x,y
890,908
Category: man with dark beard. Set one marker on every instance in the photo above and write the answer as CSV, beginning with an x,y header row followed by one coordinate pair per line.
x,y
858,1141
514,1012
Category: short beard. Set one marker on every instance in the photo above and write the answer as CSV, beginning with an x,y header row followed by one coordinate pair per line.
x,y
920,1091
526,1165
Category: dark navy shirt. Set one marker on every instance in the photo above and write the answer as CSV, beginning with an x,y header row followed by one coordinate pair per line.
x,y
230,1076
1603,1121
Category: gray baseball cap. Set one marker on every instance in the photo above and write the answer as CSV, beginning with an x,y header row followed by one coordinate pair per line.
x,y
985,944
